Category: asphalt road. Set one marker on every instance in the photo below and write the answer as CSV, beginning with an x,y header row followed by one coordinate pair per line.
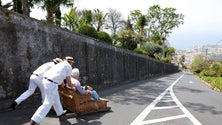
x,y
176,99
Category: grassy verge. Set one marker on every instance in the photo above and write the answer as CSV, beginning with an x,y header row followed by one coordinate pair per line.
x,y
214,82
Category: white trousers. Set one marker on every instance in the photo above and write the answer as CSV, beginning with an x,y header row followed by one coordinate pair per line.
x,y
34,82
51,99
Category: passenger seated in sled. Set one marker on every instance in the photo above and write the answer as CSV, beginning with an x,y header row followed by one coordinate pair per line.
x,y
83,100
83,89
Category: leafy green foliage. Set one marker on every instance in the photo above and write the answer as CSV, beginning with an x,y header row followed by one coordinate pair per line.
x,y
70,20
217,68
197,65
52,6
209,71
140,51
163,20
88,30
99,19
182,60
165,59
151,49
103,36
217,83
127,39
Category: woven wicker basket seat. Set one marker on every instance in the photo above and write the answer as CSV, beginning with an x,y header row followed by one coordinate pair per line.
x,y
81,104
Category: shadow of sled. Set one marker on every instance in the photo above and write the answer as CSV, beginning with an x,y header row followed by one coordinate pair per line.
x,y
81,104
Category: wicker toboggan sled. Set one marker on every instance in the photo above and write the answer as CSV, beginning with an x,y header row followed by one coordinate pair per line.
x,y
81,104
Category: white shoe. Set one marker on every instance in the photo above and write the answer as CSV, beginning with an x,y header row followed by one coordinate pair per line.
x,y
102,99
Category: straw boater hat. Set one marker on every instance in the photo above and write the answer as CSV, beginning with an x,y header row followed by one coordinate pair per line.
x,y
69,59
57,60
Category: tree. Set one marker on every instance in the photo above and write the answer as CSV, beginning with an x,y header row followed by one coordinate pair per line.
x,y
141,23
88,30
181,61
103,36
127,25
71,20
99,19
20,6
134,17
198,63
163,21
7,5
75,19
151,49
52,6
17,6
127,38
58,17
169,52
85,17
25,7
114,21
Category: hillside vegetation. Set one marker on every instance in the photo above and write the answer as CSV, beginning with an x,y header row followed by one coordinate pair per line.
x,y
208,70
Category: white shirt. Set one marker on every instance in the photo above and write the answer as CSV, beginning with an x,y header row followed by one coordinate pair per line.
x,y
43,68
59,72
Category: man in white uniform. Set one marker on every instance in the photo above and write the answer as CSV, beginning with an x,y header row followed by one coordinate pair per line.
x,y
34,82
52,78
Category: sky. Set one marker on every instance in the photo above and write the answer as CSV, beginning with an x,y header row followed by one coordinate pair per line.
x,y
202,18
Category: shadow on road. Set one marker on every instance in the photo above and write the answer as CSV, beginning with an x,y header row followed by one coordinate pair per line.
x,y
90,119
138,92
190,89
202,108
17,117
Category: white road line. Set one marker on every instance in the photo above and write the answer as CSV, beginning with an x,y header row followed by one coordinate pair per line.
x,y
139,119
166,101
185,111
163,119
167,96
165,107
146,111
190,82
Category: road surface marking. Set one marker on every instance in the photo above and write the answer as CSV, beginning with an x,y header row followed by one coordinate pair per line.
x,y
139,119
166,101
165,107
185,111
190,82
163,119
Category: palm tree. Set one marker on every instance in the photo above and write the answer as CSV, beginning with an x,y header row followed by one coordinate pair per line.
x,y
141,23
71,20
17,6
99,19
76,19
25,7
52,6
7,5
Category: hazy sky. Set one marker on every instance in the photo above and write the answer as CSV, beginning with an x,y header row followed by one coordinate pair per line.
x,y
202,18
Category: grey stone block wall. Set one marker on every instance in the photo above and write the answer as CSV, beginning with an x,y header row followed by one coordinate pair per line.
x,y
26,43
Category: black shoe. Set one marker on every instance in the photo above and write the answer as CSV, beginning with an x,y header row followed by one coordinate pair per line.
x,y
14,105
63,115
66,116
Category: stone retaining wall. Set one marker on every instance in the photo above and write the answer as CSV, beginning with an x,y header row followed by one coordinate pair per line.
x,y
27,43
